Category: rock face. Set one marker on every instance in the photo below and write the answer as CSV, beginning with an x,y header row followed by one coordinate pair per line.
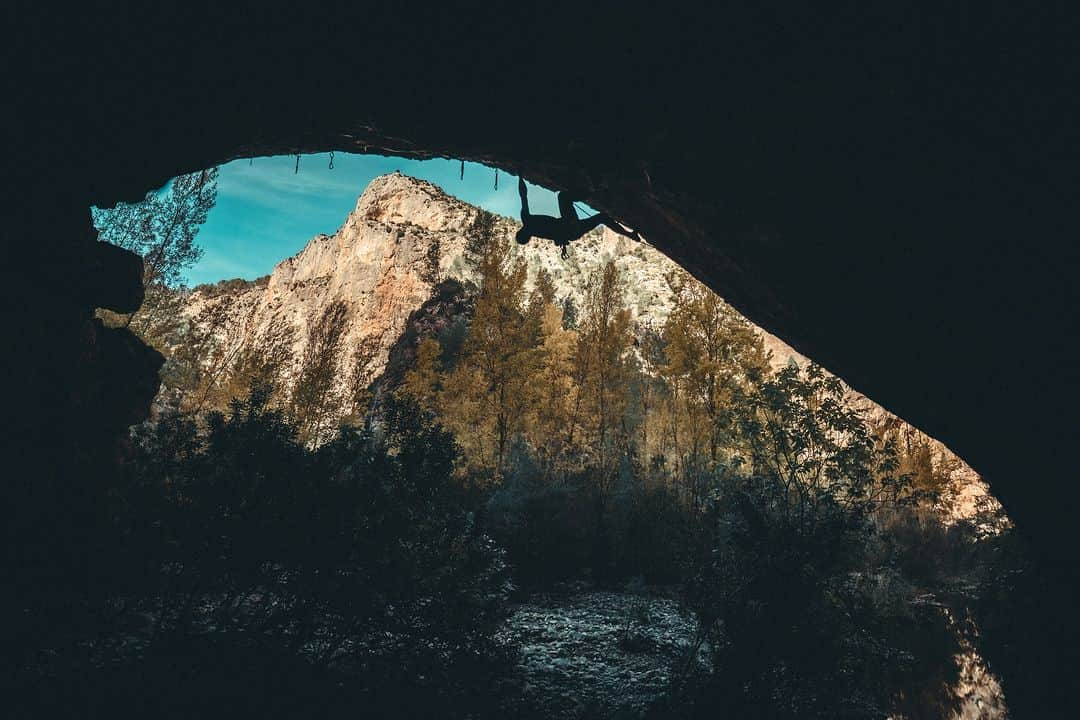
x,y
404,237
375,267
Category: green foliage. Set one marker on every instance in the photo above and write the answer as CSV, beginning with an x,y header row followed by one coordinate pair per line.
x,y
430,271
814,453
229,286
570,314
499,358
479,236
162,229
805,610
565,528
422,382
543,291
548,527
314,403
710,354
355,571
590,447
602,370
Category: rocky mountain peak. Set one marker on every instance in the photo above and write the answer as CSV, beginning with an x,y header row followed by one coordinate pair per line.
x,y
397,199
405,236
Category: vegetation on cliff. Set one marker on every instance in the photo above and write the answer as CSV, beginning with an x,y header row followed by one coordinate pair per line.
x,y
354,539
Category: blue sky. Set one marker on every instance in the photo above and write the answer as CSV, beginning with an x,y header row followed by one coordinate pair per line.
x,y
266,212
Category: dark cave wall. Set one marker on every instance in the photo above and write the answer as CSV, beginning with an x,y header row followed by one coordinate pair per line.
x,y
887,191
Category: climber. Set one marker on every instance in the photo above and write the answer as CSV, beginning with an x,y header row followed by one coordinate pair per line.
x,y
565,228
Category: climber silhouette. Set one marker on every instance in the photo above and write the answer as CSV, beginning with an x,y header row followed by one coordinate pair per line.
x,y
565,228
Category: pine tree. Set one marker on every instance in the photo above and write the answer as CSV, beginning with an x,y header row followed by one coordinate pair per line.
x,y
602,370
556,392
464,411
541,297
500,355
430,272
930,471
479,237
162,229
569,314
711,353
422,382
358,389
314,404
544,289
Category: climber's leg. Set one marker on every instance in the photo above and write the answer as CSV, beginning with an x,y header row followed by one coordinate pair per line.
x,y
523,191
562,245
566,207
602,219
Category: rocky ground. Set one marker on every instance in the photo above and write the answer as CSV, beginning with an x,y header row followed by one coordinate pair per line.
x,y
589,653
595,653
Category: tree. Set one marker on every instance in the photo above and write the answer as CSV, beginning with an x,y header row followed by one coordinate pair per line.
x,y
430,271
652,390
601,366
162,229
543,289
500,356
930,468
353,574
358,387
479,236
422,382
570,313
804,614
205,371
711,354
814,452
262,364
315,404
556,392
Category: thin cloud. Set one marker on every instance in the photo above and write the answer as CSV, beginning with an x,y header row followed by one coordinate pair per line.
x,y
267,211
277,187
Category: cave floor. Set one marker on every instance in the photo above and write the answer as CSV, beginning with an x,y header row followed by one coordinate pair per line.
x,y
585,652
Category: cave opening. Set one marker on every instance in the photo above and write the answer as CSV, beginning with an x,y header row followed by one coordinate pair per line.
x,y
591,427
887,191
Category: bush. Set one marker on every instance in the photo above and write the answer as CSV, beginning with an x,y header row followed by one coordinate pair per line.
x,y
806,609
566,527
353,573
548,527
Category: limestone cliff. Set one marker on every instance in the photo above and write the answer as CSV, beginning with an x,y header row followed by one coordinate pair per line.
x,y
405,235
